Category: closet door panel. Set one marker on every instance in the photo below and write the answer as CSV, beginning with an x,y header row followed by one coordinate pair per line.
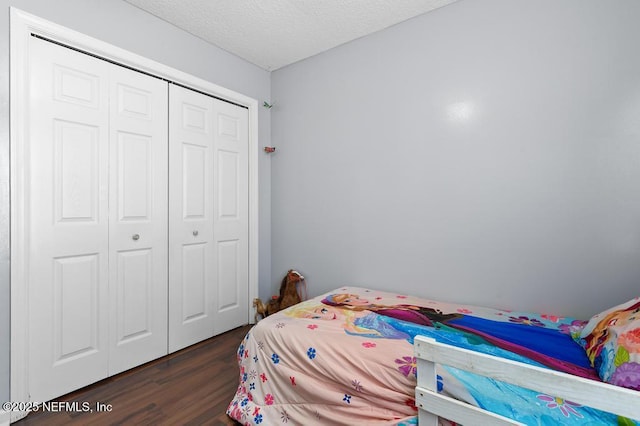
x,y
194,300
231,207
138,218
192,264
135,292
75,325
67,220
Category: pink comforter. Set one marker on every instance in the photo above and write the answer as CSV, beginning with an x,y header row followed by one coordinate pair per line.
x,y
311,364
347,358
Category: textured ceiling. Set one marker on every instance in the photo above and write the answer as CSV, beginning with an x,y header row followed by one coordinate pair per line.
x,y
275,33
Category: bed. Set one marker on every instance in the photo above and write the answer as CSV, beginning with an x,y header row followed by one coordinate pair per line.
x,y
349,357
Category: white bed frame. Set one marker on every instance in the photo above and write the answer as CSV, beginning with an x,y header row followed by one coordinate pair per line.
x,y
432,405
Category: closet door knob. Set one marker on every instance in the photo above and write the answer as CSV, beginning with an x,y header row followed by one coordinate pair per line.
x,y
135,237
195,233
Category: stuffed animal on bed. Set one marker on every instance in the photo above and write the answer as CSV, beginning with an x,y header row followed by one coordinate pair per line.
x,y
290,294
261,309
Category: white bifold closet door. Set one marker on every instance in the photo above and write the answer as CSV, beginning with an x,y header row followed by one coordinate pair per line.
x,y
208,217
97,219
138,231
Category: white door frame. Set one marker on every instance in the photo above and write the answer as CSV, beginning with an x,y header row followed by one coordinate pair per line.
x,y
22,26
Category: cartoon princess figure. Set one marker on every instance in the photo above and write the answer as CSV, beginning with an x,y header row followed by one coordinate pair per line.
x,y
540,344
411,313
358,323
596,339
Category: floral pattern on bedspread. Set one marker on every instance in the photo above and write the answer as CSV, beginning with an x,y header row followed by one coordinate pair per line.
x,y
326,363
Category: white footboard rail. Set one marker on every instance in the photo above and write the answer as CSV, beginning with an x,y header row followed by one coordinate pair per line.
x,y
591,393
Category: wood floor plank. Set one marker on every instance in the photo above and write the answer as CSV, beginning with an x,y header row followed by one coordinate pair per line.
x,y
190,387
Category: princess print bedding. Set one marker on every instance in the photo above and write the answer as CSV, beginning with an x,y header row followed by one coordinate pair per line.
x,y
346,357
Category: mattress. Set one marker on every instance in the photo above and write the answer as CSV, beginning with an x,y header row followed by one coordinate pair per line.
x,y
346,357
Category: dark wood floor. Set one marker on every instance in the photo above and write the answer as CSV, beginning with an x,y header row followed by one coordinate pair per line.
x,y
189,387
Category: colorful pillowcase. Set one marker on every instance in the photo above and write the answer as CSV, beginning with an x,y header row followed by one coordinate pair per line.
x,y
611,340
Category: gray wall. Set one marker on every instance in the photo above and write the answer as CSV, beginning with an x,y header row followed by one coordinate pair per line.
x,y
125,26
487,152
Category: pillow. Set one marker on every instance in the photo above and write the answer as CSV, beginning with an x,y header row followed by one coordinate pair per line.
x,y
611,340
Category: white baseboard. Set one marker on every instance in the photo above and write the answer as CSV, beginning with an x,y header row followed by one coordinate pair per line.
x,y
8,417
5,418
